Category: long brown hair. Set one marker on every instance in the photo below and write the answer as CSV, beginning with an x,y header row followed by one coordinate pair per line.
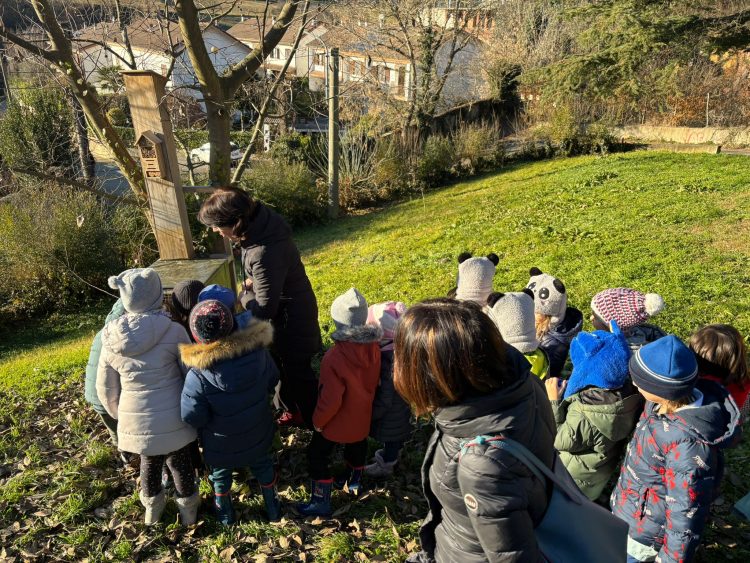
x,y
446,350
228,207
721,352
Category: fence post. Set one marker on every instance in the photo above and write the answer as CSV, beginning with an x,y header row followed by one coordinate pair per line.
x,y
333,133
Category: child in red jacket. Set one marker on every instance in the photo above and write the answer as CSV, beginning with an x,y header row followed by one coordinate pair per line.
x,y
349,375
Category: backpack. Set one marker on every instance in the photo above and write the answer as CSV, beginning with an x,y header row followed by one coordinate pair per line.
x,y
573,529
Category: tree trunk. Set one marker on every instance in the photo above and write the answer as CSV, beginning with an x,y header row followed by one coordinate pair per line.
x,y
88,165
219,124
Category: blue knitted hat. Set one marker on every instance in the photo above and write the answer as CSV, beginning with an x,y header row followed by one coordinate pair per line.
x,y
220,293
600,359
665,368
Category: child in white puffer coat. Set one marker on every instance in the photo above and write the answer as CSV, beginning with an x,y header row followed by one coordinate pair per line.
x,y
139,383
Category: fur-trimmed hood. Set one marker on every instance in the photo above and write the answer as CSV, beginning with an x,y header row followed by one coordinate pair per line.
x,y
363,334
258,334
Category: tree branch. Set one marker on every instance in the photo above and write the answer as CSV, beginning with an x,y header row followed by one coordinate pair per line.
x,y
242,165
246,68
71,184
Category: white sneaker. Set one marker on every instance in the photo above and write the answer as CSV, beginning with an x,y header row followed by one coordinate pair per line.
x,y
380,468
154,507
188,507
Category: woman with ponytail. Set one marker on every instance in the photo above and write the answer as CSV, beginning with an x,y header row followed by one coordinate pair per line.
x,y
276,288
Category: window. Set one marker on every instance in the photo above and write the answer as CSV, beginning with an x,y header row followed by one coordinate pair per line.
x,y
387,75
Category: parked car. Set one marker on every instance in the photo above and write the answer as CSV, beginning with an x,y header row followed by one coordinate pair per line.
x,y
201,154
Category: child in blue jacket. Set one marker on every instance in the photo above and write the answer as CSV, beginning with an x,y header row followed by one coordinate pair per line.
x,y
226,398
672,468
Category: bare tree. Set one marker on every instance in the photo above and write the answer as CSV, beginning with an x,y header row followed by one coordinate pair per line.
x,y
58,52
217,91
429,34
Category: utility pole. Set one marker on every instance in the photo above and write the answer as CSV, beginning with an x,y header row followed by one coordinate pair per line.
x,y
333,133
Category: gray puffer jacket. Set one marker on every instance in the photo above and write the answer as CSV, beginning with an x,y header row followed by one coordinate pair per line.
x,y
139,382
486,507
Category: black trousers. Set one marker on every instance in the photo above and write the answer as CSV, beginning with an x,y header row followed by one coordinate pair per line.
x,y
299,386
319,456
180,464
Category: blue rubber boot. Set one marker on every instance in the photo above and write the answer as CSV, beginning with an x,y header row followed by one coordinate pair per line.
x,y
272,500
351,481
224,508
320,500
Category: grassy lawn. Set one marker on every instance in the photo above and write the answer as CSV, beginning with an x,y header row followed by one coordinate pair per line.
x,y
660,222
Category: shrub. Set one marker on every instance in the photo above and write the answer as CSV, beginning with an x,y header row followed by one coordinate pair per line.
x,y
56,248
290,148
36,132
478,147
289,188
569,135
117,117
436,160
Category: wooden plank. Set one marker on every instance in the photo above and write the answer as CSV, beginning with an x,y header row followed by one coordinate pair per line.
x,y
216,270
146,95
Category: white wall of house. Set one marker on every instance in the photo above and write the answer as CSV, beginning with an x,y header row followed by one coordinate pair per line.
x,y
223,50
467,81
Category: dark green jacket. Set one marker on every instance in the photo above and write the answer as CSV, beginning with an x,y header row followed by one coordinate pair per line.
x,y
593,429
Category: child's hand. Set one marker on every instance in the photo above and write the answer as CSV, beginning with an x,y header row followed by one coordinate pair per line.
x,y
318,430
555,388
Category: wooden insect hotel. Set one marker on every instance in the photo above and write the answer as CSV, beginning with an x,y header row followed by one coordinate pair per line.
x,y
156,148
151,150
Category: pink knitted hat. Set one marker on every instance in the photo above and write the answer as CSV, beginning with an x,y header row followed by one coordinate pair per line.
x,y
628,307
386,316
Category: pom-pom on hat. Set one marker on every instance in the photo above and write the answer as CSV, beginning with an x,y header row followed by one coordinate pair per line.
x,y
210,320
628,307
665,368
475,277
220,293
513,314
140,289
386,316
349,309
550,296
600,359
185,295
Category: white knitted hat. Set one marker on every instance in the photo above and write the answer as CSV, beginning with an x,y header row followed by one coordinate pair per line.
x,y
513,314
475,277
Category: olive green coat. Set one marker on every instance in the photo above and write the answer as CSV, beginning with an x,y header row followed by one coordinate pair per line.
x,y
593,428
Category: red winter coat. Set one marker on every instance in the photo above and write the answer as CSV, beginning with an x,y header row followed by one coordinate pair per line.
x,y
349,376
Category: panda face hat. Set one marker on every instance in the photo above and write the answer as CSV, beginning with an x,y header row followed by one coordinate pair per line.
x,y
550,297
513,314
475,277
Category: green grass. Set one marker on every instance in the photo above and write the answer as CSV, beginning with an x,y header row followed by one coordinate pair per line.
x,y
669,223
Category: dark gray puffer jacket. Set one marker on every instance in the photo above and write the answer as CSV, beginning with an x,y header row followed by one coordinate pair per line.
x,y
391,415
282,292
486,508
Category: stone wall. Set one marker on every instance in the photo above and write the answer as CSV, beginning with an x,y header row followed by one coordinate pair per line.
x,y
730,137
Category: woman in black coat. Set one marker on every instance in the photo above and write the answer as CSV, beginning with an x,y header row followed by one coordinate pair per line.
x,y
276,289
451,362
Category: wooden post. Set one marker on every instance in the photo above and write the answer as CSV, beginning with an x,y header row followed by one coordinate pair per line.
x,y
146,91
333,133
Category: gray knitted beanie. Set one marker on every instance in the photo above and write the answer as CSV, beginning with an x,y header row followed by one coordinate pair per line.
x,y
513,314
140,289
349,309
475,277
